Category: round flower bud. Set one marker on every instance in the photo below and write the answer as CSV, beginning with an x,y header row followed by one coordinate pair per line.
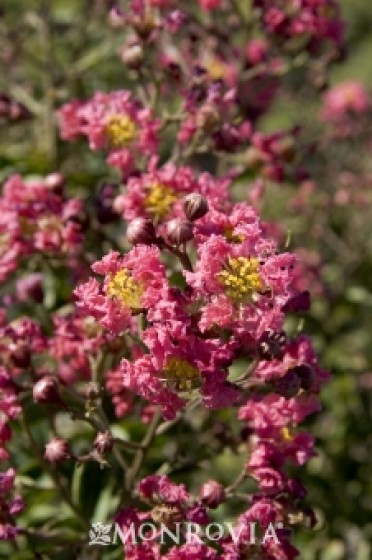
x,y
30,288
288,386
132,55
271,345
306,375
212,494
254,158
208,118
55,181
57,450
141,230
45,391
103,442
20,354
195,206
179,231
91,391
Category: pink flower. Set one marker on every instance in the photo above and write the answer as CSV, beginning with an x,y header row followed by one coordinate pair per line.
x,y
114,122
159,193
160,488
345,99
133,282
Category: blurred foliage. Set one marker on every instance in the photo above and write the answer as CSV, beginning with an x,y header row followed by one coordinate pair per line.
x,y
55,50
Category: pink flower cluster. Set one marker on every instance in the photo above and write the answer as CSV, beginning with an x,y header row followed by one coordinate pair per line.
x,y
36,218
114,122
313,20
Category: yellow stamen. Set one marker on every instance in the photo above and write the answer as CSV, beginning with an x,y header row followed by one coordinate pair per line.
x,y
241,278
286,434
231,236
123,287
216,69
120,129
180,374
159,200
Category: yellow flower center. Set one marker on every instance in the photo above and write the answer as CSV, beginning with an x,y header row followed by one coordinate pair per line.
x,y
241,278
286,434
159,200
180,374
216,69
120,129
233,237
123,287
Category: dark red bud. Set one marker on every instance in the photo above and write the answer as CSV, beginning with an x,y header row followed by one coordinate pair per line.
x,y
46,391
20,354
179,231
141,230
288,386
306,375
195,206
132,55
103,442
212,494
57,450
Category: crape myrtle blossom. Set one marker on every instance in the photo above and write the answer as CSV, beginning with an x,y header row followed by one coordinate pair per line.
x,y
10,505
35,218
238,289
114,122
179,366
313,20
158,193
132,283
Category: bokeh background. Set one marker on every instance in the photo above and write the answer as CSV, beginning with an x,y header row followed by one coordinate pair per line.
x,y
70,51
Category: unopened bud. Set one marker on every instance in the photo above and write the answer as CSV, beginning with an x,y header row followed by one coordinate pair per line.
x,y
54,181
254,159
20,354
141,230
103,442
179,231
195,206
212,494
306,375
288,386
57,450
132,55
208,118
46,391
91,391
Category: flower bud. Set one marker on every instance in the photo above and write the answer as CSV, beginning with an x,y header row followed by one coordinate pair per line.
x,y
179,231
132,55
103,442
45,391
306,375
208,118
57,450
212,494
288,386
91,391
271,345
30,288
141,230
55,181
195,206
20,354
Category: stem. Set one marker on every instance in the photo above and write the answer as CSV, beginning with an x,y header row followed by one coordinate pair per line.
x,y
139,457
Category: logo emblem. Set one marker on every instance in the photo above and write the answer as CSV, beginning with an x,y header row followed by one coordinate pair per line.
x,y
100,534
